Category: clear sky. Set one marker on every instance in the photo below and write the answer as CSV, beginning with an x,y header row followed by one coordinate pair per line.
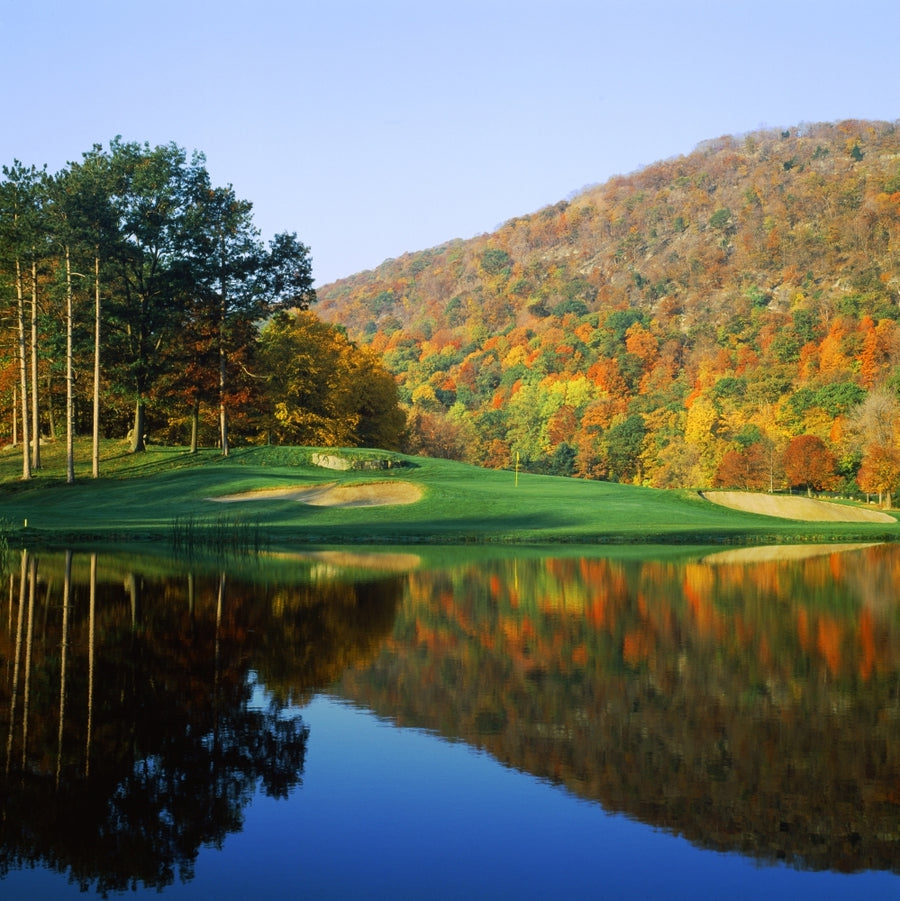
x,y
376,127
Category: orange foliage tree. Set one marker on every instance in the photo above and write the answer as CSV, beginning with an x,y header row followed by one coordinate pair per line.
x,y
880,472
747,469
808,462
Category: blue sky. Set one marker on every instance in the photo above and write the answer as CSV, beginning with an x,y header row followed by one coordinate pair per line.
x,y
380,127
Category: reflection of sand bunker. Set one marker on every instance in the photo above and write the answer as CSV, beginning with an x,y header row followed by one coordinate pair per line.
x,y
778,553
383,561
366,494
803,508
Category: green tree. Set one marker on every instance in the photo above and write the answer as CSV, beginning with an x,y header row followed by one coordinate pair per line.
x,y
84,191
22,198
287,272
155,192
226,259
624,441
562,462
495,261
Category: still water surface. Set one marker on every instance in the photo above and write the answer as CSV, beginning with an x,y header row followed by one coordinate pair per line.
x,y
386,725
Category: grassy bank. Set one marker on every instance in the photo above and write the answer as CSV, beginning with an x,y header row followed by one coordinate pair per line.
x,y
163,496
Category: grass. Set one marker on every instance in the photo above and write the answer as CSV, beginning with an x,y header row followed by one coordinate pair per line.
x,y
162,496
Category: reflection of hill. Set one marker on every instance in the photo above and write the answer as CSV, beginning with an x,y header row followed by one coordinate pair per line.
x,y
130,733
751,708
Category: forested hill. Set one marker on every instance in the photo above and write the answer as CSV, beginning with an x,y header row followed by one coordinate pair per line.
x,y
664,324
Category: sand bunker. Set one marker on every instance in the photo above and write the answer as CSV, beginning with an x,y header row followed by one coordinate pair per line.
x,y
367,494
803,508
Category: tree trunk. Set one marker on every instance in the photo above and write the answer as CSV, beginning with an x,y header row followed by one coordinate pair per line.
x,y
29,646
70,378
223,415
17,655
95,447
23,375
91,637
35,409
195,427
137,437
133,587
51,418
63,647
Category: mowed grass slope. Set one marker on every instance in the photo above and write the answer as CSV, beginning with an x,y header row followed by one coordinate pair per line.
x,y
142,497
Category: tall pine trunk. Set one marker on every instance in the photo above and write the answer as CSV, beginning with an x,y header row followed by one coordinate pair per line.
x,y
95,447
223,414
70,378
195,426
35,408
51,416
92,611
23,375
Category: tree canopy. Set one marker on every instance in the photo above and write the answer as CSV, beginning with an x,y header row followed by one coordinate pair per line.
x,y
135,287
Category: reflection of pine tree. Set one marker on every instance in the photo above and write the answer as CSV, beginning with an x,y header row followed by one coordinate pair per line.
x,y
140,743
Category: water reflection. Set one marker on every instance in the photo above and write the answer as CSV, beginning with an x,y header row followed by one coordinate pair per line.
x,y
749,706
750,702
132,734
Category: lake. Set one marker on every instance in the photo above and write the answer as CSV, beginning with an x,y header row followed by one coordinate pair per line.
x,y
448,723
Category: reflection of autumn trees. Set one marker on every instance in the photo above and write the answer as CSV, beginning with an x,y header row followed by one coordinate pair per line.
x,y
133,724
315,632
748,706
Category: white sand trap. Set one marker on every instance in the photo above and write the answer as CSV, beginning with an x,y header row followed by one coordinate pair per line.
x,y
366,494
803,508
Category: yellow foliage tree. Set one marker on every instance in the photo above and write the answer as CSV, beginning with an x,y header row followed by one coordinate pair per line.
x,y
699,434
323,390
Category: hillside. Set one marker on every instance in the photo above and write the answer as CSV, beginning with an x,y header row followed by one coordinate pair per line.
x,y
718,303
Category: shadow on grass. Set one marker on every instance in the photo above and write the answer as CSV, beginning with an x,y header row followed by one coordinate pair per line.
x,y
546,529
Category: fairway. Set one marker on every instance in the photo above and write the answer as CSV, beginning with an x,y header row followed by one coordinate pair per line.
x,y
287,502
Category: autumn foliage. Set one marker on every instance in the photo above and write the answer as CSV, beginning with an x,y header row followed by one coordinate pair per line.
x,y
809,464
746,468
324,391
880,471
656,326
